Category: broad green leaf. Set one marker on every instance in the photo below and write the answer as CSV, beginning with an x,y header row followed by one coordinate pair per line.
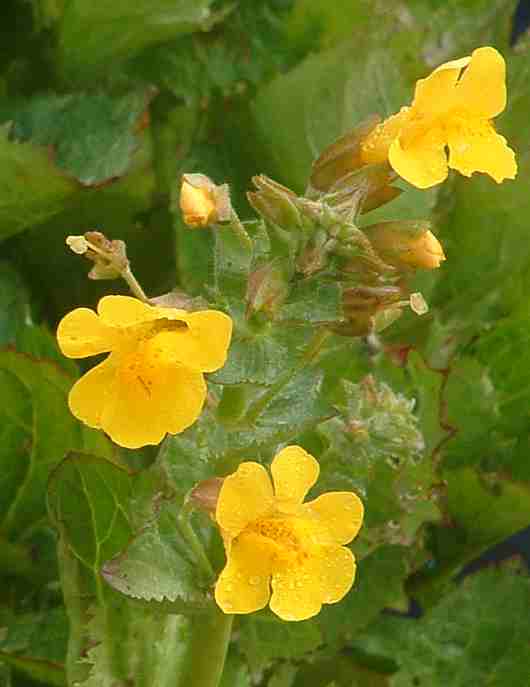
x,y
33,188
378,585
478,634
38,430
158,567
94,36
93,137
98,506
35,645
265,638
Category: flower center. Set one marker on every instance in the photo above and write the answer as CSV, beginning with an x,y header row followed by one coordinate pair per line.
x,y
285,538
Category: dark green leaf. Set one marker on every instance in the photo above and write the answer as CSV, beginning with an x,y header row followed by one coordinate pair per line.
x,y
478,634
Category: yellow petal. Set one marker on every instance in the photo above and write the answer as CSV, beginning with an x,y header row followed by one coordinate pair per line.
x,y
81,333
124,311
294,471
341,513
149,402
474,146
245,496
423,162
205,344
435,94
90,394
243,586
482,88
374,149
299,592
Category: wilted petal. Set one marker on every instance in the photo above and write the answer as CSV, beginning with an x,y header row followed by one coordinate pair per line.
x,y
246,495
81,333
474,146
244,584
294,471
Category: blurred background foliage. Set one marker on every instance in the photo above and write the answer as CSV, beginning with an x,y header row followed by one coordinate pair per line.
x,y
103,105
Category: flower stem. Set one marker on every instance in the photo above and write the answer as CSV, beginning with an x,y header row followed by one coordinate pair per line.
x,y
134,285
194,543
310,354
207,648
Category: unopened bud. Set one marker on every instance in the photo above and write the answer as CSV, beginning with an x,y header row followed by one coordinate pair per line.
x,y
274,202
267,288
341,157
202,202
406,244
206,494
370,309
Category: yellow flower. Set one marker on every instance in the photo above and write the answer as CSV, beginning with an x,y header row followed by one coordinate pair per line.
x,y
452,107
273,539
152,381
197,205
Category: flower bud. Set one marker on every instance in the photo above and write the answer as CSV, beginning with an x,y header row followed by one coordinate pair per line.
x,y
267,288
341,157
205,495
406,244
274,202
202,202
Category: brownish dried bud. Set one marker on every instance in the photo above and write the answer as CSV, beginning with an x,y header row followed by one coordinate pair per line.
x,y
205,495
109,256
341,157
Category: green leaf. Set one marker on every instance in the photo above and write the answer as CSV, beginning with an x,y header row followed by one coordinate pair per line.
x,y
35,644
264,638
378,585
478,634
313,300
14,304
38,430
376,450
235,673
94,137
232,260
33,188
158,567
92,37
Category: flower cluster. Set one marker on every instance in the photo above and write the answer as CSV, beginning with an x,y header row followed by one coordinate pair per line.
x,y
274,540
452,107
152,382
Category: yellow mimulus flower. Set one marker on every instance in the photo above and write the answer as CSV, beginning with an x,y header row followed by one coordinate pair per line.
x,y
452,107
273,539
152,382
